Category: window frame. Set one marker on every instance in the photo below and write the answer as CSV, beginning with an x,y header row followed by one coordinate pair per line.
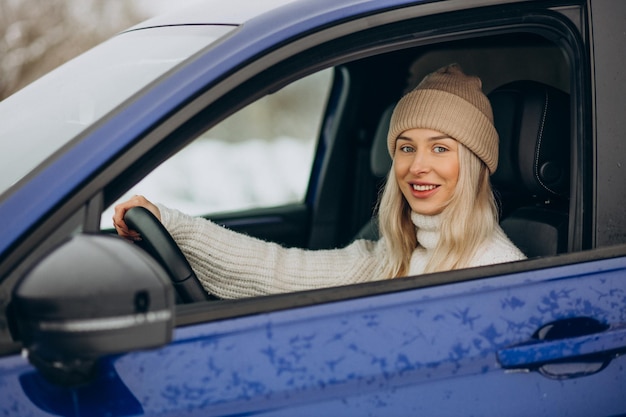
x,y
492,21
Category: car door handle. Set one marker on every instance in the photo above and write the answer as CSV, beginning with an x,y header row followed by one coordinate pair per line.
x,y
554,346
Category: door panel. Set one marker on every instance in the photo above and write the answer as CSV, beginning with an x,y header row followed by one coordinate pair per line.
x,y
432,350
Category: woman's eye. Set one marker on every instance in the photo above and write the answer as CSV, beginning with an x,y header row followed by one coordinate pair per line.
x,y
406,148
439,149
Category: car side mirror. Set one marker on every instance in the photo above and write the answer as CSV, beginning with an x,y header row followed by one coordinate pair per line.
x,y
95,295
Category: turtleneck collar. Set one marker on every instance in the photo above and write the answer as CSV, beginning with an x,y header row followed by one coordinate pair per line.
x,y
427,228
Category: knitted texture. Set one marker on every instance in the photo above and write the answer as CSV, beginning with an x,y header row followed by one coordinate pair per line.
x,y
498,249
232,265
453,103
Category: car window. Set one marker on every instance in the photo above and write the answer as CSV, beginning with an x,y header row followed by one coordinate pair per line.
x,y
259,157
70,99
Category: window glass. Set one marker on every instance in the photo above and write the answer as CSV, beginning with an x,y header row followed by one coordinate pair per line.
x,y
71,98
259,157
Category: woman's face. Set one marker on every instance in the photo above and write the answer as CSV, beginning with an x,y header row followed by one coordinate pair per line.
x,y
426,166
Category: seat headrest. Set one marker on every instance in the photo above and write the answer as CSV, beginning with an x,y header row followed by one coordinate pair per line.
x,y
380,161
533,122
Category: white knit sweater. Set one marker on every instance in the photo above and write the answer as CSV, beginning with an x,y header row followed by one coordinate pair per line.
x,y
233,265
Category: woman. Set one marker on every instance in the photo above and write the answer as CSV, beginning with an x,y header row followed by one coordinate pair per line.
x,y
437,211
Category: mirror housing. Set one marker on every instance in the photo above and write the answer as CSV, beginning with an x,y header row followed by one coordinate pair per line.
x,y
94,295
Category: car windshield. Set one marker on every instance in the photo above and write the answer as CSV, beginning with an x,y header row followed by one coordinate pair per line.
x,y
41,118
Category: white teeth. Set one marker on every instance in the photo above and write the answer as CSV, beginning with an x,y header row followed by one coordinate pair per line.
x,y
424,187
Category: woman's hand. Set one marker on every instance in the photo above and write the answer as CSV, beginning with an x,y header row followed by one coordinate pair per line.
x,y
122,208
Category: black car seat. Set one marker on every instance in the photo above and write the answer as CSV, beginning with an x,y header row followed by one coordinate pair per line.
x,y
380,164
532,179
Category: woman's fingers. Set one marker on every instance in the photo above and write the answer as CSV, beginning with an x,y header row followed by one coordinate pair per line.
x,y
120,210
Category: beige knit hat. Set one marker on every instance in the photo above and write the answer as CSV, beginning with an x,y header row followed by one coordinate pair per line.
x,y
453,103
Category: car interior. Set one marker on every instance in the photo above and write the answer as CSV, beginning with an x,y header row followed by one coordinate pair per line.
x,y
527,78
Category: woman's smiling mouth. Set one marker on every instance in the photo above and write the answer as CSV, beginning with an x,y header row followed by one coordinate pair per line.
x,y
424,187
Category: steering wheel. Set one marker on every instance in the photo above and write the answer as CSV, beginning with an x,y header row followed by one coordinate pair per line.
x,y
157,241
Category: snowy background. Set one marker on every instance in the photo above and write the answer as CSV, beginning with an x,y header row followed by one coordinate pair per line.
x,y
260,156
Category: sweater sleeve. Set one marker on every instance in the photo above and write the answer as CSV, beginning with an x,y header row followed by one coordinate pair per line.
x,y
234,265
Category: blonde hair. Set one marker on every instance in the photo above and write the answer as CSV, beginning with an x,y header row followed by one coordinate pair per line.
x,y
468,219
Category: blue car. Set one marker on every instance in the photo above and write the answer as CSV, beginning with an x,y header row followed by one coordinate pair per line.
x,y
270,119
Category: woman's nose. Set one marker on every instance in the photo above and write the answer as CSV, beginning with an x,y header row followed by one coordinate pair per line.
x,y
420,163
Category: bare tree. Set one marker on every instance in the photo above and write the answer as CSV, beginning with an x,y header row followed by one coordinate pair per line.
x,y
38,35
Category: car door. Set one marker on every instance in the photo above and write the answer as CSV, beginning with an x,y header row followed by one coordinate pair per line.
x,y
538,337
543,341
